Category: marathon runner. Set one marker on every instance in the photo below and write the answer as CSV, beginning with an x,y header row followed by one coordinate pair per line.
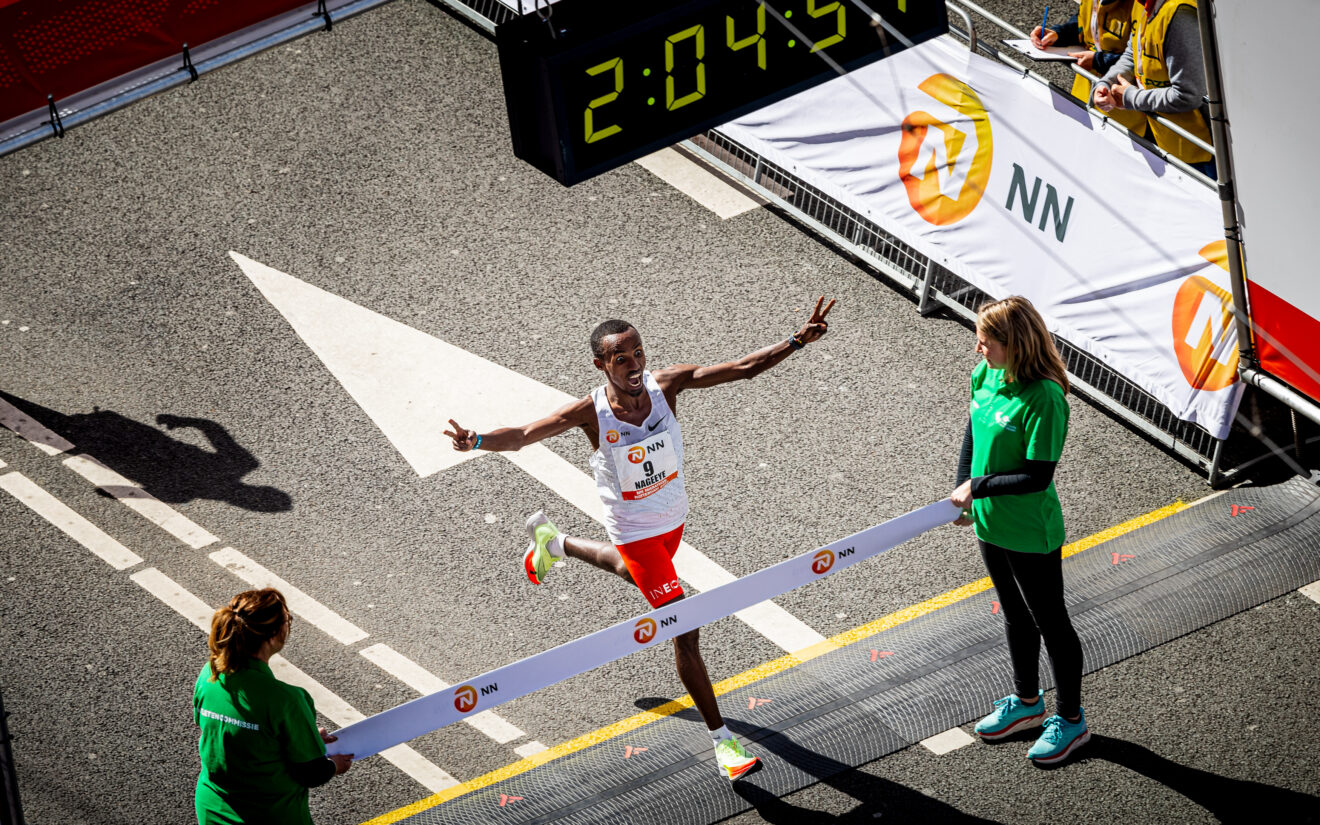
x,y
633,427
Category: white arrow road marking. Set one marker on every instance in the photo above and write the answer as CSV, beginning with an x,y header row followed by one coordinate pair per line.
x,y
410,384
70,523
328,703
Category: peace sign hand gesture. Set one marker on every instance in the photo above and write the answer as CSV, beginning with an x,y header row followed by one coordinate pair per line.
x,y
816,326
464,440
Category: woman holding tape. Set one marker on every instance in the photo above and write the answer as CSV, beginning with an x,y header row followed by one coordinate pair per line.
x,y
259,745
1014,437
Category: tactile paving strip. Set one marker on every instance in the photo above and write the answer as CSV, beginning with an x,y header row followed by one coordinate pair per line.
x,y
854,705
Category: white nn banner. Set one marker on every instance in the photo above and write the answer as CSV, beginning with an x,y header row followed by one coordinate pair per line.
x,y
1019,191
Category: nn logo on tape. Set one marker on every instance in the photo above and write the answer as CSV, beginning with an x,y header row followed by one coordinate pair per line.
x,y
465,697
824,559
644,630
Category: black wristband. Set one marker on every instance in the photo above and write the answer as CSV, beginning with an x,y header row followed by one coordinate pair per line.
x,y
795,342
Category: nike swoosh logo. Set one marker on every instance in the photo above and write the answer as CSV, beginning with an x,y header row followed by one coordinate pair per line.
x,y
651,428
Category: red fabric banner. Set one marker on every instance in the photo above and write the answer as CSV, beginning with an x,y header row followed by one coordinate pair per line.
x,y
1289,328
61,47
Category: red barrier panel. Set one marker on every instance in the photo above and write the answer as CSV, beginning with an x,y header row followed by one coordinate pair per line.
x,y
61,47
1290,348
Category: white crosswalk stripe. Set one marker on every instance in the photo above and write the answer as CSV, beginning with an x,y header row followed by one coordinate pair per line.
x,y
302,605
328,703
70,523
139,500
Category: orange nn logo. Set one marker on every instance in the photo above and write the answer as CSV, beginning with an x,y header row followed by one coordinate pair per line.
x,y
637,454
822,561
1203,329
612,436
945,164
465,698
644,631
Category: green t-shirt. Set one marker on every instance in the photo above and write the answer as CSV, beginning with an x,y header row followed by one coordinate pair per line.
x,y
1010,424
253,727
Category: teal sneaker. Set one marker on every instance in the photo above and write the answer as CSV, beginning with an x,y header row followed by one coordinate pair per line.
x,y
1011,715
1059,740
733,760
547,547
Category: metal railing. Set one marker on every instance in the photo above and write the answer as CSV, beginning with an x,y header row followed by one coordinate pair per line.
x,y
26,130
1078,70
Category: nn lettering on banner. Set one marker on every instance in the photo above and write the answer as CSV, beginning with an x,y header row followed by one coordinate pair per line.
x,y
503,684
1007,184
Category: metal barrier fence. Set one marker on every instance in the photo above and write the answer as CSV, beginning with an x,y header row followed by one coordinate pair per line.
x,y
913,272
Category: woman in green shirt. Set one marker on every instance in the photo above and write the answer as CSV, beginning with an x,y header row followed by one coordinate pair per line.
x,y
1014,437
259,745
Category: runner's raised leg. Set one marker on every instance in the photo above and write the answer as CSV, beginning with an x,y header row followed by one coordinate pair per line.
x,y
598,554
549,546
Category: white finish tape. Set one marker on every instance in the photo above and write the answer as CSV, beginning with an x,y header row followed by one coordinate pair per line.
x,y
444,707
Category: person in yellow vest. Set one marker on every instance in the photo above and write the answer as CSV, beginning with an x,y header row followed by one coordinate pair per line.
x,y
1103,29
1164,59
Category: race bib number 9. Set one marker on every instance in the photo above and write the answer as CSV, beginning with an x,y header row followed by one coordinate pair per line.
x,y
646,466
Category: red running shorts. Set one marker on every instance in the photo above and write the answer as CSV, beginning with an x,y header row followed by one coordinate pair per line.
x,y
651,563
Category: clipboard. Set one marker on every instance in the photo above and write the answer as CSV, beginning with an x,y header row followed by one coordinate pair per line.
x,y
1057,53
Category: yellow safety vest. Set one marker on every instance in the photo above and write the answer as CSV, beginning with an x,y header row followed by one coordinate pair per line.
x,y
1113,22
1148,56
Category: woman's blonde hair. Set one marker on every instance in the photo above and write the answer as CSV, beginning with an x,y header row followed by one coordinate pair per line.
x,y
1029,352
240,628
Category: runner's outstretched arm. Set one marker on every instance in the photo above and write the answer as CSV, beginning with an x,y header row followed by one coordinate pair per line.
x,y
690,376
580,413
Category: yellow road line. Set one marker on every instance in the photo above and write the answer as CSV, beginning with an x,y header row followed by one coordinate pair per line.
x,y
756,674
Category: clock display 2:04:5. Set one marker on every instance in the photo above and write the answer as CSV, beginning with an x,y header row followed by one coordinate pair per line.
x,y
731,55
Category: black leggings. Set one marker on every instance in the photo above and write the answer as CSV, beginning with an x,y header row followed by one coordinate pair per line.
x,y
1030,588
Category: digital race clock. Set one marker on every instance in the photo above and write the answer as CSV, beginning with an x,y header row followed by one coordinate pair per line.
x,y
602,82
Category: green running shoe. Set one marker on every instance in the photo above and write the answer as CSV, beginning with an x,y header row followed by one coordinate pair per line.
x,y
733,761
547,547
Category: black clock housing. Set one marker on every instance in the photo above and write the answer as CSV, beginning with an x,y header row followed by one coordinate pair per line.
x,y
603,82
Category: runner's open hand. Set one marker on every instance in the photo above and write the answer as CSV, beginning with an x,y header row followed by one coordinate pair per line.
x,y
463,439
816,325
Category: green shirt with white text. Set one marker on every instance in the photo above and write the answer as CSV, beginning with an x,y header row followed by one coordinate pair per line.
x,y
1012,423
253,726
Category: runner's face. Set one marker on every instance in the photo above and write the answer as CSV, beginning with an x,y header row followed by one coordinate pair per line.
x,y
624,361
990,349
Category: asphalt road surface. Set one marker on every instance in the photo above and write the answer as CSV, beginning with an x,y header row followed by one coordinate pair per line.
x,y
369,169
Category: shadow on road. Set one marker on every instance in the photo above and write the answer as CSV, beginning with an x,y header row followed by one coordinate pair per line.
x,y
171,470
876,797
1229,800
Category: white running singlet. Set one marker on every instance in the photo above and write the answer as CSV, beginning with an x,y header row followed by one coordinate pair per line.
x,y
639,469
